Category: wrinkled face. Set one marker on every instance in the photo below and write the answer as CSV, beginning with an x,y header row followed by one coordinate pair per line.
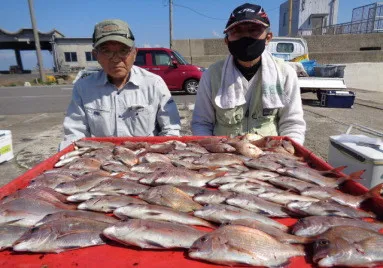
x,y
115,58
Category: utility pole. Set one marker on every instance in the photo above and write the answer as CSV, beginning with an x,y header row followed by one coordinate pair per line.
x,y
37,41
171,23
290,16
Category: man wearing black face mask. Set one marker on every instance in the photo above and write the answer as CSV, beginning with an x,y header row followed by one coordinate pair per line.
x,y
250,91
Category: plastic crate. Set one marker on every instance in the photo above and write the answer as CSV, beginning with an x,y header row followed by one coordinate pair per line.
x,y
337,98
329,70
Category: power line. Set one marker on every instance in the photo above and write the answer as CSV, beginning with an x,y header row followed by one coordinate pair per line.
x,y
197,12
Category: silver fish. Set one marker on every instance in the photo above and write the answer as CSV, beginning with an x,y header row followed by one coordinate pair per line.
x,y
50,180
290,183
210,197
108,203
246,149
89,164
218,159
274,232
78,152
25,212
219,148
66,214
150,167
240,245
155,157
316,225
327,208
67,160
83,196
284,198
10,234
170,196
249,188
114,167
256,204
230,179
348,246
120,186
176,176
153,234
126,156
226,213
263,164
314,176
155,212
339,197
62,235
82,184
262,175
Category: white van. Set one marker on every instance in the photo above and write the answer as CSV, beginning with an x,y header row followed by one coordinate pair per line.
x,y
287,48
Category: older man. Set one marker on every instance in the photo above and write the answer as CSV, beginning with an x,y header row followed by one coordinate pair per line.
x,y
122,99
250,91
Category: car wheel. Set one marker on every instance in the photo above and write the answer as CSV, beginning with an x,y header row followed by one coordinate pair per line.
x,y
191,86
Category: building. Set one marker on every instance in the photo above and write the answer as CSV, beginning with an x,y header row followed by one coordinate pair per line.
x,y
308,16
73,54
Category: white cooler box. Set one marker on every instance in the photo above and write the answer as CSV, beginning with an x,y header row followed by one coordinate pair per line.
x,y
6,150
358,152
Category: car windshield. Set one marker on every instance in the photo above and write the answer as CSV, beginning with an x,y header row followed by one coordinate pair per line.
x,y
179,57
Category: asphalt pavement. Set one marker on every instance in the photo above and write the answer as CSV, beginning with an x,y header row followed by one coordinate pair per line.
x,y
35,115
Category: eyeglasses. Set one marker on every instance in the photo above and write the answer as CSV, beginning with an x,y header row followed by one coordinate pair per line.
x,y
245,30
123,53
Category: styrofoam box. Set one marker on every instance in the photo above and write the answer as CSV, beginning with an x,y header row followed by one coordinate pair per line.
x,y
6,150
357,153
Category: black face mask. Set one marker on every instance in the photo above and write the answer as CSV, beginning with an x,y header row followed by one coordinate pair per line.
x,y
247,48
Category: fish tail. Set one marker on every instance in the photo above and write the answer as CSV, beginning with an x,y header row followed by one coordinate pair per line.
x,y
356,175
375,192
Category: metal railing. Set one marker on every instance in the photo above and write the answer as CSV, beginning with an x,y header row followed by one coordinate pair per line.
x,y
354,27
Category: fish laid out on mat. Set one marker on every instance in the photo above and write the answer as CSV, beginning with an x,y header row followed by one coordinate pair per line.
x,y
230,201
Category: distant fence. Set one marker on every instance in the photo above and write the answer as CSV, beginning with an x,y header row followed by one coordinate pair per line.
x,y
354,27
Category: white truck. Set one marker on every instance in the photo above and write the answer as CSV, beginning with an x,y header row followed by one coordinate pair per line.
x,y
289,48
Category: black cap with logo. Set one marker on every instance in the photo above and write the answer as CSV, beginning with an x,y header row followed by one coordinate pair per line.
x,y
247,13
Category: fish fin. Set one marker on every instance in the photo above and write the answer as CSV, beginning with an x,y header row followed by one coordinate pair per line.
x,y
334,170
356,175
375,192
153,243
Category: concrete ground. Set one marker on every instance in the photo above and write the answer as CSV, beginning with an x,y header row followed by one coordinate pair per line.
x,y
36,136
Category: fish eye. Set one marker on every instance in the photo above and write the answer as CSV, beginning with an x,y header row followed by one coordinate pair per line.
x,y
203,239
323,242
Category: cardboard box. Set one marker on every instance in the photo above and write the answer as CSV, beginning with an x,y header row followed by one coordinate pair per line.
x,y
358,153
6,150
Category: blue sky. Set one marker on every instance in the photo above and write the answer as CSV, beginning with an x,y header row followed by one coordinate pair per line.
x,y
149,19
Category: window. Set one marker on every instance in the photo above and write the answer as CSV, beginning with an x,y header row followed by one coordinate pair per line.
x,y
140,58
70,56
89,56
161,58
285,47
284,19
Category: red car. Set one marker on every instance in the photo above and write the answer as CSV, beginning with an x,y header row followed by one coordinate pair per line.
x,y
177,73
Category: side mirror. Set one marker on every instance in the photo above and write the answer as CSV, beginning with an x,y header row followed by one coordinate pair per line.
x,y
174,64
